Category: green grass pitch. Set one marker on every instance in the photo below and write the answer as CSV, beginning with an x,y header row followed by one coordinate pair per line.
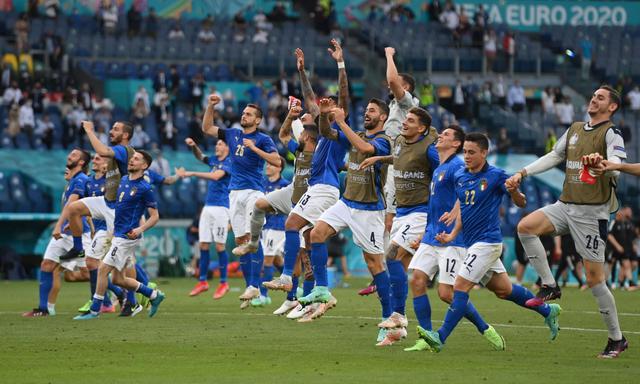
x,y
199,340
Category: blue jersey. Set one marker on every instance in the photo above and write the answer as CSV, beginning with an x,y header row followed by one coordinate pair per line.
x,y
218,191
246,165
134,196
381,147
154,178
274,221
77,185
95,187
442,199
434,159
480,195
328,159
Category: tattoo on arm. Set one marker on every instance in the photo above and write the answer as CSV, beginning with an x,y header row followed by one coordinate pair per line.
x,y
285,131
308,95
197,153
343,93
325,127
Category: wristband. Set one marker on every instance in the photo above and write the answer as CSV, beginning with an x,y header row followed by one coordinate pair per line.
x,y
523,172
341,65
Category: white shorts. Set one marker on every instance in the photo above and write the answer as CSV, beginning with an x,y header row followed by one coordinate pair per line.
x,y
99,245
482,262
272,242
315,201
241,205
57,248
280,199
390,190
98,208
122,253
367,226
213,226
587,224
407,229
446,260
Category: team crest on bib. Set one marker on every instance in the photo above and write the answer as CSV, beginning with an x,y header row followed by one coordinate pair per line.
x,y
574,139
483,185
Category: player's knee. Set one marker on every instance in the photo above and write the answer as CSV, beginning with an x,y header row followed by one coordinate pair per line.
x,y
92,264
204,246
445,295
418,284
319,234
262,204
220,247
293,223
47,266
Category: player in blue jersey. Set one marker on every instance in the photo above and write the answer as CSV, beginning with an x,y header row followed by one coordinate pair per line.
x,y
249,150
214,218
272,232
361,207
100,207
480,188
324,184
135,195
59,245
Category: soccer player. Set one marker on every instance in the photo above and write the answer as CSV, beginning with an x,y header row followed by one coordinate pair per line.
x,y
134,196
583,207
77,165
100,207
281,201
362,205
214,218
414,158
249,149
479,189
324,184
401,86
272,233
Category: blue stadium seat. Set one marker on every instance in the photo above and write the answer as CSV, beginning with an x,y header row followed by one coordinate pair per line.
x,y
201,190
170,206
20,200
40,201
186,196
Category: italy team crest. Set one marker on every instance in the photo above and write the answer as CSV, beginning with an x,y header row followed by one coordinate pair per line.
x,y
483,185
441,176
133,191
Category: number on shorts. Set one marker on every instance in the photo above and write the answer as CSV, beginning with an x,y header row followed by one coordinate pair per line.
x,y
270,243
305,199
406,228
468,261
592,242
95,242
220,231
451,265
372,238
240,150
115,250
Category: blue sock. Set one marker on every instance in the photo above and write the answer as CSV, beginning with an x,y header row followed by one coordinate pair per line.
x,y
141,275
384,292
245,266
456,311
107,300
223,261
291,295
77,243
256,267
307,287
520,295
96,304
204,264
473,316
146,291
422,308
399,285
115,289
319,257
291,247
279,268
131,298
267,275
93,281
46,282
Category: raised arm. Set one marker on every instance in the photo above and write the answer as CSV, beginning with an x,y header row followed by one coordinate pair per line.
x,y
343,83
358,143
197,153
325,126
393,78
208,127
100,148
215,175
285,130
307,92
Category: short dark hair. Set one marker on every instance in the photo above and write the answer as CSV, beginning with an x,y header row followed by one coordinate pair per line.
x,y
127,127
147,157
479,138
407,78
384,108
283,162
423,116
86,157
257,108
458,134
614,96
335,99
311,130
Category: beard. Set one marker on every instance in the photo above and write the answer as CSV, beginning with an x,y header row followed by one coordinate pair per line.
x,y
72,164
116,140
371,124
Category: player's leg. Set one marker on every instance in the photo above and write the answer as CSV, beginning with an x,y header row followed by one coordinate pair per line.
x,y
74,212
260,210
203,284
424,266
319,256
291,302
223,262
267,275
50,262
55,290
